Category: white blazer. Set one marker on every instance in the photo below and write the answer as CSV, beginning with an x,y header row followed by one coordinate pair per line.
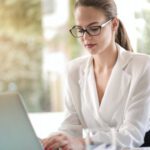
x,y
125,104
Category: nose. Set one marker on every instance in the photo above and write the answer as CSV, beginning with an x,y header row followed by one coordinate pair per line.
x,y
86,36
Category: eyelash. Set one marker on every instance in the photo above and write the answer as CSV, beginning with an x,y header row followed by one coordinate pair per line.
x,y
92,28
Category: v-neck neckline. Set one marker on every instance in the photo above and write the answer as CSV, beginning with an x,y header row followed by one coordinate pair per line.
x,y
98,102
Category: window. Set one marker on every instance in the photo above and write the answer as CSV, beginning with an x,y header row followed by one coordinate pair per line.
x,y
31,59
136,18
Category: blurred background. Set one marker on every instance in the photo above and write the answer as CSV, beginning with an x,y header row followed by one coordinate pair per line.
x,y
35,46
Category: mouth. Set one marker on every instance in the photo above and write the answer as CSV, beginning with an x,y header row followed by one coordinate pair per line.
x,y
89,46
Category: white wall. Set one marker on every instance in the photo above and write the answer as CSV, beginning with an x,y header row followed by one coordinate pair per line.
x,y
45,123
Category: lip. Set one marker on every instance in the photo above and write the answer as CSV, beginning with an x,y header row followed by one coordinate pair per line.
x,y
89,45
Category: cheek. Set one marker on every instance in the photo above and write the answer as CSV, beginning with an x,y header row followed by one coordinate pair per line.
x,y
108,35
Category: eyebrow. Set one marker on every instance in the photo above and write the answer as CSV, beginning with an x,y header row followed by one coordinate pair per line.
x,y
93,23
89,24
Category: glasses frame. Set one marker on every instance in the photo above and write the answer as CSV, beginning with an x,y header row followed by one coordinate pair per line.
x,y
86,30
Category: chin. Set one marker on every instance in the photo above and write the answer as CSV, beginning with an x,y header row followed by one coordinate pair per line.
x,y
92,51
96,52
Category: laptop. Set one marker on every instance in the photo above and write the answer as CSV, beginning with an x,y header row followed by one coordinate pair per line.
x,y
16,131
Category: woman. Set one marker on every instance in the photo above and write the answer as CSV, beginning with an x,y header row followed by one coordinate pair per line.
x,y
110,89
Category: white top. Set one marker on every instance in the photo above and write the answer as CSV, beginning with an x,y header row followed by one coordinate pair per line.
x,y
125,104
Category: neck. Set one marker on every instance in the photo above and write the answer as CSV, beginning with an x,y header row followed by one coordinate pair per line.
x,y
105,60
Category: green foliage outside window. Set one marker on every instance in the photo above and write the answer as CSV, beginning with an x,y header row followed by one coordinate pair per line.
x,y
75,49
20,51
21,44
143,42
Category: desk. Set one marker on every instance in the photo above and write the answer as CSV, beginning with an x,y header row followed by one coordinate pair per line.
x,y
110,147
140,148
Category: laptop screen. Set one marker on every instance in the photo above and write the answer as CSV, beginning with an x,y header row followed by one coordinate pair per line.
x,y
16,131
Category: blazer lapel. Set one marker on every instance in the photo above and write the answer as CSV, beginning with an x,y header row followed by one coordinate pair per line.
x,y
89,100
116,90
117,87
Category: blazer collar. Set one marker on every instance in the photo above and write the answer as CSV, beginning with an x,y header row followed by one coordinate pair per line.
x,y
123,59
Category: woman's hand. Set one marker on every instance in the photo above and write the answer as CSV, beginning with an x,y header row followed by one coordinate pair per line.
x,y
63,141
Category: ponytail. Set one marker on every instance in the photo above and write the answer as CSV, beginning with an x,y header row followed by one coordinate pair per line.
x,y
122,37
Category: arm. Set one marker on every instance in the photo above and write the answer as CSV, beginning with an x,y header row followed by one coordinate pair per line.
x,y
72,122
70,131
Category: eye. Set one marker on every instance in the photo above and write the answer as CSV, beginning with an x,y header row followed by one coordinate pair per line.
x,y
79,30
94,29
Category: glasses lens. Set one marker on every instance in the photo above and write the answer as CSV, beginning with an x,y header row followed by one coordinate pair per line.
x,y
94,30
77,32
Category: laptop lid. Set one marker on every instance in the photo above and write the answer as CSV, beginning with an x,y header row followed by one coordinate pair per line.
x,y
16,131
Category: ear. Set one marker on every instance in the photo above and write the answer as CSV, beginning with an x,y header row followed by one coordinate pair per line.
x,y
115,24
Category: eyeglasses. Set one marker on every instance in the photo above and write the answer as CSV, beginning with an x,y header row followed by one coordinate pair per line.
x,y
78,31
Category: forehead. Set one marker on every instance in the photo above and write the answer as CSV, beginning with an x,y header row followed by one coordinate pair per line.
x,y
85,15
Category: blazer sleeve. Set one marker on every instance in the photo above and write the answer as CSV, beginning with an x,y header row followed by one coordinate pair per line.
x,y
72,122
136,118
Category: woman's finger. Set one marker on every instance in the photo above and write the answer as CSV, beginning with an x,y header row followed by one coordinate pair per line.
x,y
66,147
44,142
57,142
49,140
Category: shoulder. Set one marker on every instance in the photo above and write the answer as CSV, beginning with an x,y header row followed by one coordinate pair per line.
x,y
139,66
134,63
78,64
140,60
141,63
134,59
75,68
